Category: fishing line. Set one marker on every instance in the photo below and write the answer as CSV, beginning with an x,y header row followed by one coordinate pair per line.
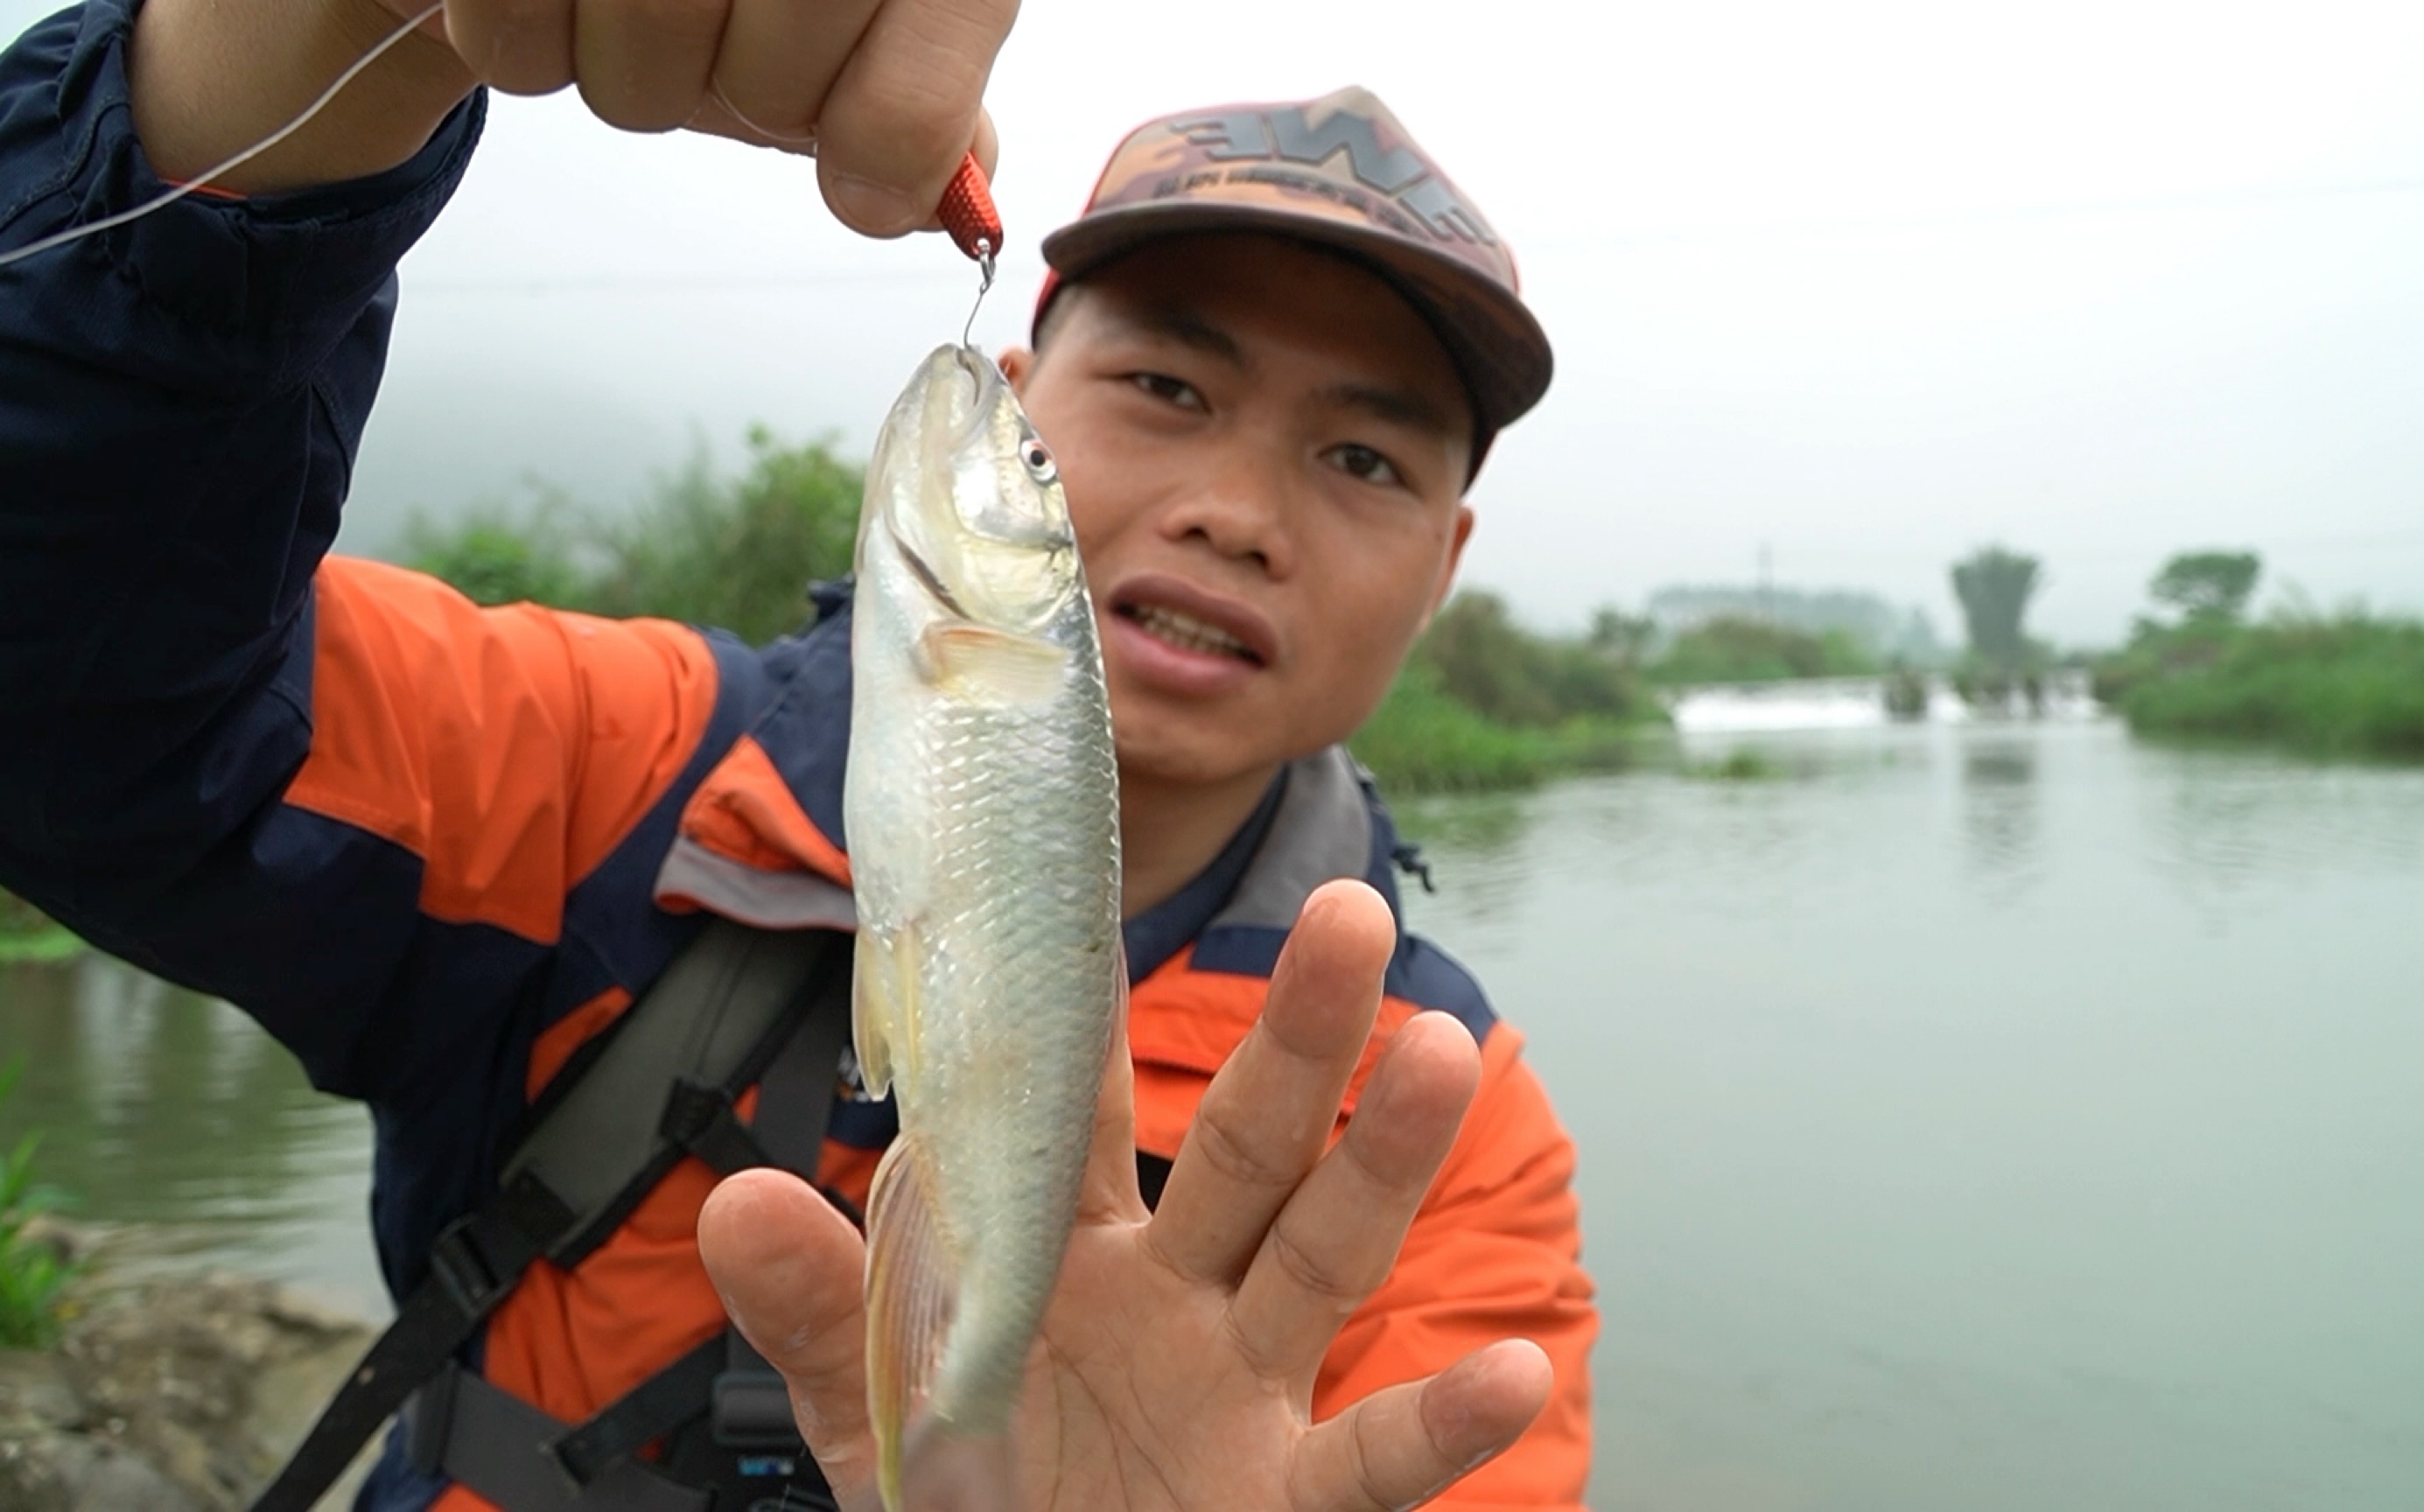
x,y
715,88
204,179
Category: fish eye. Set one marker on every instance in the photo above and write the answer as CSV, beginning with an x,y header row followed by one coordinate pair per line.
x,y
1038,458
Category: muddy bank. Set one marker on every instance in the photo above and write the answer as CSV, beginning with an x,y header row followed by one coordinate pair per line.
x,y
170,1395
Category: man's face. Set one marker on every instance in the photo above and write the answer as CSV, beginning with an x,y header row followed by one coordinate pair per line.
x,y
1265,451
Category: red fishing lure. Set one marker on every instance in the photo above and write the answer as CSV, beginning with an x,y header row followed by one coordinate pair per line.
x,y
967,213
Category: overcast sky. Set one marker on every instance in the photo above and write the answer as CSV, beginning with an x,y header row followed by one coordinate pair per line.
x,y
1868,284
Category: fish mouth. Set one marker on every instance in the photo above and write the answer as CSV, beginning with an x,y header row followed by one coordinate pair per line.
x,y
1180,614
986,380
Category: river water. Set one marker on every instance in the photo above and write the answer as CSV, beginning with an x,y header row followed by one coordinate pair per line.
x,y
1973,1115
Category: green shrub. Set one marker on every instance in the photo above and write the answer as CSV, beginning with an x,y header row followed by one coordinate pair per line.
x,y
28,935
1422,739
2347,686
495,558
732,553
1478,656
738,555
1741,764
32,1275
1483,703
1731,649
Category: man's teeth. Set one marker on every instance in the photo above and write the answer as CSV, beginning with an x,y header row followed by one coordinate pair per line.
x,y
1188,634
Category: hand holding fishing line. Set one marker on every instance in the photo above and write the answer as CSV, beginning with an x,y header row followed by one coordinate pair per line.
x,y
886,94
1176,1366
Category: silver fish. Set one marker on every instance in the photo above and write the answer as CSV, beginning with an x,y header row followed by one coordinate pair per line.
x,y
981,810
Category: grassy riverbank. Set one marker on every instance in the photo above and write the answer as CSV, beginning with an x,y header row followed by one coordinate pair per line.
x,y
1422,739
2348,686
1484,703
1731,649
27,934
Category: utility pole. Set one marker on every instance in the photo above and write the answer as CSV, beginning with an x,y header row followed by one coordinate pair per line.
x,y
1766,595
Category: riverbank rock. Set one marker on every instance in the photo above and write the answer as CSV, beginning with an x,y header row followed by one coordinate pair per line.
x,y
172,1396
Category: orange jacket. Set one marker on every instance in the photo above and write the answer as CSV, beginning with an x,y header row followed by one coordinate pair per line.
x,y
516,749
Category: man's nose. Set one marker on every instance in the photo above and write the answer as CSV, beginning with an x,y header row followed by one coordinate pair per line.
x,y
1244,508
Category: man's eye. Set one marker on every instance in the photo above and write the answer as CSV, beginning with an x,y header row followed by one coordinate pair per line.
x,y
1365,464
1169,390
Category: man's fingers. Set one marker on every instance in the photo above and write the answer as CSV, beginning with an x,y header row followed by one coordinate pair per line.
x,y
904,110
643,64
1266,1116
1109,1191
788,1268
1400,1447
518,46
779,58
1335,1241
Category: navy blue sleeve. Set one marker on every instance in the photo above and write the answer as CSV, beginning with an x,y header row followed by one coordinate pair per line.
x,y
180,404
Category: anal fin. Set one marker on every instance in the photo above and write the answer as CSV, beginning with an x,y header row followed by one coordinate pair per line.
x,y
911,1292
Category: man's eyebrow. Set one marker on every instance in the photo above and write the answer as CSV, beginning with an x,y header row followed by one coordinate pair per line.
x,y
1186,329
1397,406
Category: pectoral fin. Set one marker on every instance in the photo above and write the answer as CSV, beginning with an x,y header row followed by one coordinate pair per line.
x,y
883,1005
992,666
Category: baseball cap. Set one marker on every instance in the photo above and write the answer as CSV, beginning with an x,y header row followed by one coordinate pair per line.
x,y
1341,172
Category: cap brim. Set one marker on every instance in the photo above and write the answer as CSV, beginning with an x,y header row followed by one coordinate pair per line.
x,y
1500,351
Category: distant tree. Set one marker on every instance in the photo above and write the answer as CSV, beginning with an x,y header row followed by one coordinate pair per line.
x,y
1476,654
734,553
495,559
1732,649
1626,637
2208,586
1486,662
1883,630
1995,586
739,555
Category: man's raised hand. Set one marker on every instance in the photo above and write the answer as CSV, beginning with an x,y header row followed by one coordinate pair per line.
x,y
1177,1362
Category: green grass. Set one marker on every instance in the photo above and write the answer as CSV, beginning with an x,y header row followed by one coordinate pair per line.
x,y
33,1278
27,934
1423,741
1484,703
1731,649
734,553
2348,686
1741,764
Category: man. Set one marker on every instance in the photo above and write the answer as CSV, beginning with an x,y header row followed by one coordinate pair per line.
x,y
440,851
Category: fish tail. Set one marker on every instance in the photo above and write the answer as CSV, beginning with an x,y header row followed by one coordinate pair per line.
x,y
912,1289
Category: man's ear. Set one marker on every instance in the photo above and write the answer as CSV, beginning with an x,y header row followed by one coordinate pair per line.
x,y
1460,533
1017,365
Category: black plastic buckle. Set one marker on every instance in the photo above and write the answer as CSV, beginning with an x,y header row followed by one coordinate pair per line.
x,y
751,1409
691,1109
462,1268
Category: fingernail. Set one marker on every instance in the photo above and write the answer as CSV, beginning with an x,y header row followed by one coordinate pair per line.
x,y
870,206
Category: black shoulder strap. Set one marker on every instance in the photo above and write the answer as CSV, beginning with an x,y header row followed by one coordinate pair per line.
x,y
698,1038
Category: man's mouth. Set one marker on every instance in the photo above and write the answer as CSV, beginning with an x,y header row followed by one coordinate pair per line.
x,y
1187,633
